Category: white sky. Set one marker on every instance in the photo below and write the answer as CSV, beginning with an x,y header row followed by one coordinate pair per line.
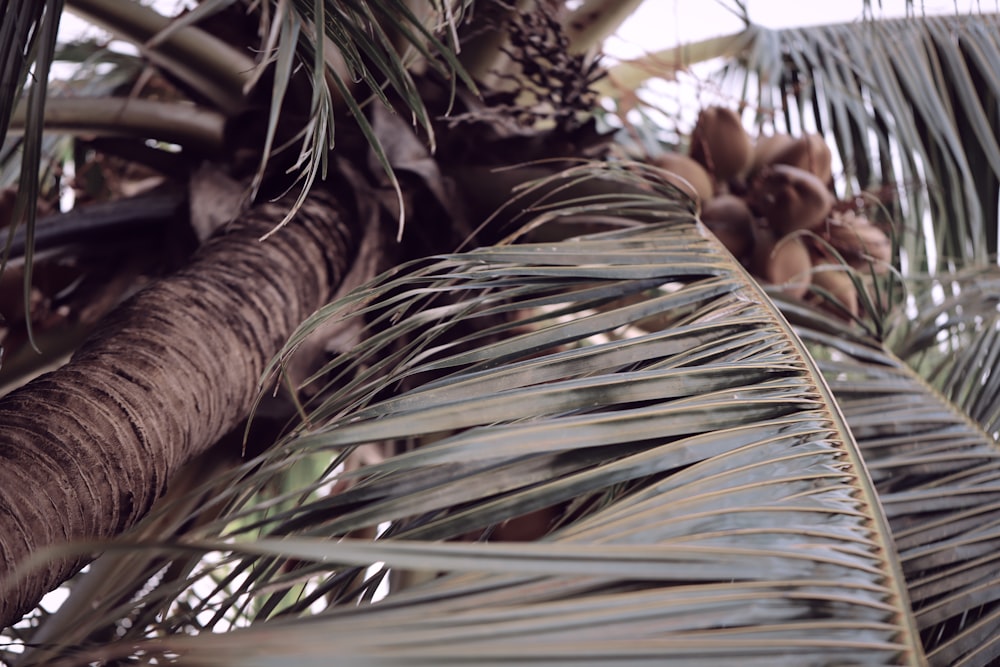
x,y
659,24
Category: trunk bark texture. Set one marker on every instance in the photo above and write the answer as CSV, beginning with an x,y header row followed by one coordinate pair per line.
x,y
85,450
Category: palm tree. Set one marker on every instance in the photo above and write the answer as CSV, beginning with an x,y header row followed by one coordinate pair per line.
x,y
486,391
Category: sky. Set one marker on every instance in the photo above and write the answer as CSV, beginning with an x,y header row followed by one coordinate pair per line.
x,y
659,24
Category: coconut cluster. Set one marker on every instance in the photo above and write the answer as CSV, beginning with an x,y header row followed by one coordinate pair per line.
x,y
771,203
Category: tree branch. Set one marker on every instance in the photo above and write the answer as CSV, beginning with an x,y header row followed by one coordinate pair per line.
x,y
172,122
85,450
204,62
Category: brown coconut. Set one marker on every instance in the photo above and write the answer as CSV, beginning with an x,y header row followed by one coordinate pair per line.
x,y
810,153
860,242
788,266
690,176
731,221
768,146
839,285
764,240
790,198
720,144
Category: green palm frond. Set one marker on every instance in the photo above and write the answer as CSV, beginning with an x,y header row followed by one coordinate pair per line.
x,y
711,504
935,469
28,34
351,54
699,480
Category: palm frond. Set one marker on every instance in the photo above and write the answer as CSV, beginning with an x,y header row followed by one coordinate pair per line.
x,y
911,105
936,472
23,24
952,340
344,44
32,157
28,35
709,503
351,54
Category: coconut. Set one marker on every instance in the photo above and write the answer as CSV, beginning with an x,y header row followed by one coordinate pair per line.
x,y
731,221
860,242
687,174
527,527
720,144
784,262
837,284
788,266
810,153
790,198
764,240
766,147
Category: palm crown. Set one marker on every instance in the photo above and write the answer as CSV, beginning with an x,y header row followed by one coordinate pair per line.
x,y
428,368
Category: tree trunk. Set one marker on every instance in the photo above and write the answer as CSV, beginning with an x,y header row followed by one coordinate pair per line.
x,y
85,450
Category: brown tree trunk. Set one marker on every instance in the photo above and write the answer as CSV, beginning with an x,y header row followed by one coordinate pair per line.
x,y
85,450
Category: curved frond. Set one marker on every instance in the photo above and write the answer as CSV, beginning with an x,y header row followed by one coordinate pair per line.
x,y
936,471
700,497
